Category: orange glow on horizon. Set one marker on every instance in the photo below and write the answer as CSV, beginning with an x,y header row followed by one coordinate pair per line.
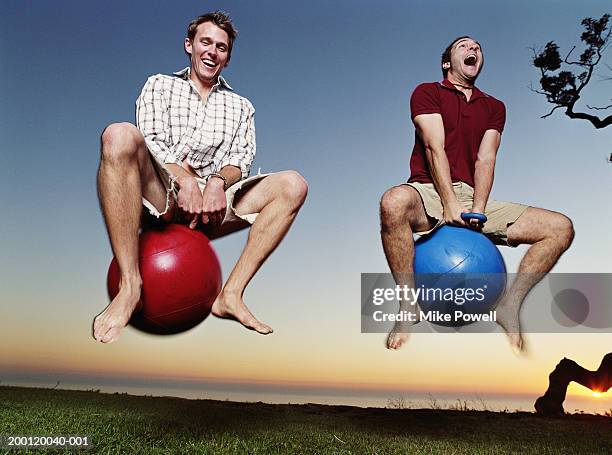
x,y
354,386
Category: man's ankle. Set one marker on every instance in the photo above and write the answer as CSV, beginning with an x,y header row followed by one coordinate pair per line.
x,y
131,284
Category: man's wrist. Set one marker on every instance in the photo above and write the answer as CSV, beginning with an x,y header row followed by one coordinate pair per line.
x,y
477,208
449,204
217,180
185,180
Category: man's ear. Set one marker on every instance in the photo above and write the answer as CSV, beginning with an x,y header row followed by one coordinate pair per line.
x,y
188,47
446,65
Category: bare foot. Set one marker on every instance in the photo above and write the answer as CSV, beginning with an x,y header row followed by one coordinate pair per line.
x,y
107,325
230,306
400,333
398,336
508,319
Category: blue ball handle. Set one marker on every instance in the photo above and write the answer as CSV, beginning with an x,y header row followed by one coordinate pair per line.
x,y
481,217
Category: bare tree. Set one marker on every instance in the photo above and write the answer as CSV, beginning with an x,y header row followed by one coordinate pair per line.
x,y
563,89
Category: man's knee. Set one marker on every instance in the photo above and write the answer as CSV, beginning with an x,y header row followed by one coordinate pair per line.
x,y
397,204
562,229
294,187
121,141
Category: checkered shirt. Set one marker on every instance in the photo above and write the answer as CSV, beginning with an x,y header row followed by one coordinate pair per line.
x,y
178,125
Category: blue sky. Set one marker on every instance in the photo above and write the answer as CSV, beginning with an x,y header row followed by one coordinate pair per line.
x,y
330,82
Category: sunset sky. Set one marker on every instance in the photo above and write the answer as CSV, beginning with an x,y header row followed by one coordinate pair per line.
x,y
330,82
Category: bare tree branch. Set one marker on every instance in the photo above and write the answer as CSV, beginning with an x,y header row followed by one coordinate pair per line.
x,y
596,121
563,88
572,63
550,113
535,90
595,108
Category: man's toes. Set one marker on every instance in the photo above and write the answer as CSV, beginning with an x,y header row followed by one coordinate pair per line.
x,y
516,343
111,335
98,335
394,341
397,339
248,320
99,328
262,328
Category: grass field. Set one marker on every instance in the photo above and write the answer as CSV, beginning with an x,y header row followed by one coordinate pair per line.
x,y
129,424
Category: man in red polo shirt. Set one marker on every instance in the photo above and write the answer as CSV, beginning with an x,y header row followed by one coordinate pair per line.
x,y
458,132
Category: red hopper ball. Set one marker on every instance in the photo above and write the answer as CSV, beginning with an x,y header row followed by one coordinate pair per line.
x,y
181,278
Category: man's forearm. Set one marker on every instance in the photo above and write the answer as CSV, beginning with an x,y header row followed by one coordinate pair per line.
x,y
483,182
179,172
231,174
441,175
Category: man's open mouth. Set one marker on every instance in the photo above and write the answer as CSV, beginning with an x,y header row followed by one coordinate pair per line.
x,y
209,63
470,60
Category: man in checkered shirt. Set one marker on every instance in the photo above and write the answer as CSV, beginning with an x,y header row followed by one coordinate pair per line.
x,y
188,160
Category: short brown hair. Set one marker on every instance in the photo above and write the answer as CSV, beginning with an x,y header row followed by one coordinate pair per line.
x,y
446,55
221,20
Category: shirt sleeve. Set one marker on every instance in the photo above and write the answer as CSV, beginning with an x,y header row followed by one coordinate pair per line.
x,y
152,119
242,151
497,119
425,100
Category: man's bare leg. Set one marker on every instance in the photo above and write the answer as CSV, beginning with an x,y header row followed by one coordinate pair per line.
x,y
550,234
277,198
125,173
401,213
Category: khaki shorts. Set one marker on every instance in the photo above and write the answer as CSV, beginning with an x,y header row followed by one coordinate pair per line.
x,y
499,214
231,216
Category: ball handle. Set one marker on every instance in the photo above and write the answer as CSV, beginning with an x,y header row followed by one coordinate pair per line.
x,y
481,217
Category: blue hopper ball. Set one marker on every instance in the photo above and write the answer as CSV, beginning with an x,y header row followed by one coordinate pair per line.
x,y
458,268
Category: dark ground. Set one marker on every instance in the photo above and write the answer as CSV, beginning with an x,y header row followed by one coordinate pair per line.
x,y
121,423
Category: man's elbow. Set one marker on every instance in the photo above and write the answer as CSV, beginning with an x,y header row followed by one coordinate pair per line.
x,y
488,161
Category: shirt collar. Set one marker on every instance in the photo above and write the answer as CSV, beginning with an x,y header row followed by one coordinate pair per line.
x,y
184,74
476,93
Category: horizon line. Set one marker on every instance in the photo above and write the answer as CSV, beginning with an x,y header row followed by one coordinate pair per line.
x,y
34,375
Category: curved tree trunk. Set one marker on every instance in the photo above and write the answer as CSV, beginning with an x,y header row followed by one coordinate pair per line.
x,y
551,403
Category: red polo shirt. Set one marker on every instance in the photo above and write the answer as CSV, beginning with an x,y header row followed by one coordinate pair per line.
x,y
464,126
